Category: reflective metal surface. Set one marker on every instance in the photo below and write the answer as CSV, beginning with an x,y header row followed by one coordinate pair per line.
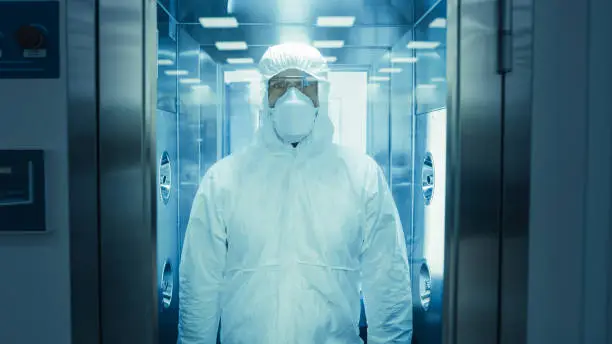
x,y
127,170
517,118
474,174
83,170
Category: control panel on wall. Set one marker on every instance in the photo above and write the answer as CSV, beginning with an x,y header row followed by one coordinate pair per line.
x,y
29,40
22,191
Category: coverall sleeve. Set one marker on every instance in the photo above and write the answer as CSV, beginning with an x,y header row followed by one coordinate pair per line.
x,y
385,271
202,268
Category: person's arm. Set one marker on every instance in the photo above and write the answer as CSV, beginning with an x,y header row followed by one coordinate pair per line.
x,y
385,270
202,268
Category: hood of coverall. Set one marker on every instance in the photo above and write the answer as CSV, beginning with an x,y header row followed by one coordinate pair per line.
x,y
307,59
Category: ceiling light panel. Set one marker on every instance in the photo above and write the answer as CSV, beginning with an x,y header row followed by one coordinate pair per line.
x,y
390,70
244,60
219,22
224,46
190,81
423,45
176,72
165,62
404,60
438,23
335,21
379,78
330,59
328,44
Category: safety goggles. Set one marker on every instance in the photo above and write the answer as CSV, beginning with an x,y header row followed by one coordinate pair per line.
x,y
303,82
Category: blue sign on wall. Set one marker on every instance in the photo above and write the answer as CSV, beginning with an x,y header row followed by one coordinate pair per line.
x,y
29,40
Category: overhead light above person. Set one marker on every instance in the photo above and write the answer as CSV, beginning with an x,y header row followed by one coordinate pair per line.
x,y
335,21
423,45
219,22
243,60
438,23
404,60
328,44
231,46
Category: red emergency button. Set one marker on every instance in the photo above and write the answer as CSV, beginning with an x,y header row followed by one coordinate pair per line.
x,y
30,37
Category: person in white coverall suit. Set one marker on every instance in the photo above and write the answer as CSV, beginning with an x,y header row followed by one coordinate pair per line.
x,y
284,234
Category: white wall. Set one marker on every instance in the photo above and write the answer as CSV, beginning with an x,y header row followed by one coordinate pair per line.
x,y
35,269
570,296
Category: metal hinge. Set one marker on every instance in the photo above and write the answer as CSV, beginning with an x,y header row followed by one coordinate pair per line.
x,y
505,36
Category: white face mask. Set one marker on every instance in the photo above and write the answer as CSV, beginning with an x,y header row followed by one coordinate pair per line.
x,y
293,116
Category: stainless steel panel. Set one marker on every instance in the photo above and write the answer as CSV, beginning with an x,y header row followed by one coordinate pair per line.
x,y
428,227
83,170
167,231
473,174
516,177
127,163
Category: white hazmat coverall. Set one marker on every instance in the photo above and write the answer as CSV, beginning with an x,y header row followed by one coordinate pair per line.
x,y
281,239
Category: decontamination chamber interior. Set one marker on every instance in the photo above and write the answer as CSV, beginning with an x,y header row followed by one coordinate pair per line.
x,y
388,98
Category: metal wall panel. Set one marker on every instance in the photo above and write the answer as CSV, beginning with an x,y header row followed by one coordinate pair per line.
x,y
83,170
473,174
516,177
167,229
127,168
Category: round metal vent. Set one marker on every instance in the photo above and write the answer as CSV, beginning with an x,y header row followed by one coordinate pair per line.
x,y
167,285
165,177
425,287
428,178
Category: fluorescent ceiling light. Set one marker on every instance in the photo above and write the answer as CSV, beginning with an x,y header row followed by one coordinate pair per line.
x,y
216,23
330,59
390,70
165,62
379,78
244,60
438,23
404,60
426,86
328,44
231,45
201,87
423,45
190,81
336,21
438,79
176,72
430,54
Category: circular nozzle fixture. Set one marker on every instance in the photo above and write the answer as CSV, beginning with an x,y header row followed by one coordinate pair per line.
x,y
165,177
167,285
428,178
425,287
